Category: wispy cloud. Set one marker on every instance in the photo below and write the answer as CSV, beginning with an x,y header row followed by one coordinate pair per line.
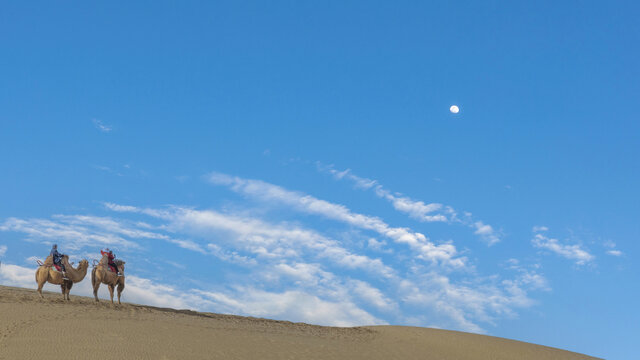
x,y
611,249
100,125
291,304
572,252
442,253
462,304
615,252
3,250
529,276
107,170
486,232
258,238
67,231
416,209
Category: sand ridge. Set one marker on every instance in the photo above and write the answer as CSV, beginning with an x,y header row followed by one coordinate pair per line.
x,y
50,328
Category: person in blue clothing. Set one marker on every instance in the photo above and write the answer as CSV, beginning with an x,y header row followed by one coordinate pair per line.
x,y
57,259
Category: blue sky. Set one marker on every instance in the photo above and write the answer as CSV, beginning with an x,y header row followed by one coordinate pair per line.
x,y
298,160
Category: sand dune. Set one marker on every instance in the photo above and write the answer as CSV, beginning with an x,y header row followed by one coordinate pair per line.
x,y
32,328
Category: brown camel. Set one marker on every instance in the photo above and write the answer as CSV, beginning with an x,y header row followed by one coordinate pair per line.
x,y
103,274
46,272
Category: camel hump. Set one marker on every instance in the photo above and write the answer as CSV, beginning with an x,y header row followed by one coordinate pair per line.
x,y
48,261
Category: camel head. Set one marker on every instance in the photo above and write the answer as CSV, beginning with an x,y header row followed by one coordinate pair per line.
x,y
84,264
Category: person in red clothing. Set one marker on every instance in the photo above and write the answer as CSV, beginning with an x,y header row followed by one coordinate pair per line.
x,y
111,258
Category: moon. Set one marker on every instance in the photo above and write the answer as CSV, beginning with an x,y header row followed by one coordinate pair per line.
x,y
454,109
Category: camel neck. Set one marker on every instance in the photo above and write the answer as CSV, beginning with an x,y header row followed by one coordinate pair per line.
x,y
76,274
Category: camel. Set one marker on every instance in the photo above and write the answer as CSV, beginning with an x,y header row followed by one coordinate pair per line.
x,y
46,272
103,274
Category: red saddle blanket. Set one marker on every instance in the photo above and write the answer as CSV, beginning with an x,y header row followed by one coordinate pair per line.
x,y
57,267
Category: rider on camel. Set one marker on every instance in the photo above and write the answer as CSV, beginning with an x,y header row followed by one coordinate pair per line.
x,y
57,260
111,258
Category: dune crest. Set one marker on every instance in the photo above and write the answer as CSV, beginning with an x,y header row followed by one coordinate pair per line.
x,y
49,328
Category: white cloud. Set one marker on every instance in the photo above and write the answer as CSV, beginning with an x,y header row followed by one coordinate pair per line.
x,y
76,232
308,273
254,236
612,248
120,208
189,245
377,245
486,232
535,281
461,306
177,265
3,250
540,228
373,296
527,277
291,305
14,275
615,252
101,126
419,210
230,256
71,232
572,252
415,208
34,259
273,241
445,254
144,291
482,229
110,225
162,214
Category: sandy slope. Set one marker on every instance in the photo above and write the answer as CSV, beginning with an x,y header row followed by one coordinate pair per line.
x,y
31,328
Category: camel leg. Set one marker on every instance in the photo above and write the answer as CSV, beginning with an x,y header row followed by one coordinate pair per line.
x,y
40,285
111,292
95,291
40,282
120,288
69,286
63,287
95,283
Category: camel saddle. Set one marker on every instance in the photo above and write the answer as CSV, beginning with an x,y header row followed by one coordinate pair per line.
x,y
48,262
118,263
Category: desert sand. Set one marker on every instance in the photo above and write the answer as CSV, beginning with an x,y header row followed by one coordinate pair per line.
x,y
50,328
